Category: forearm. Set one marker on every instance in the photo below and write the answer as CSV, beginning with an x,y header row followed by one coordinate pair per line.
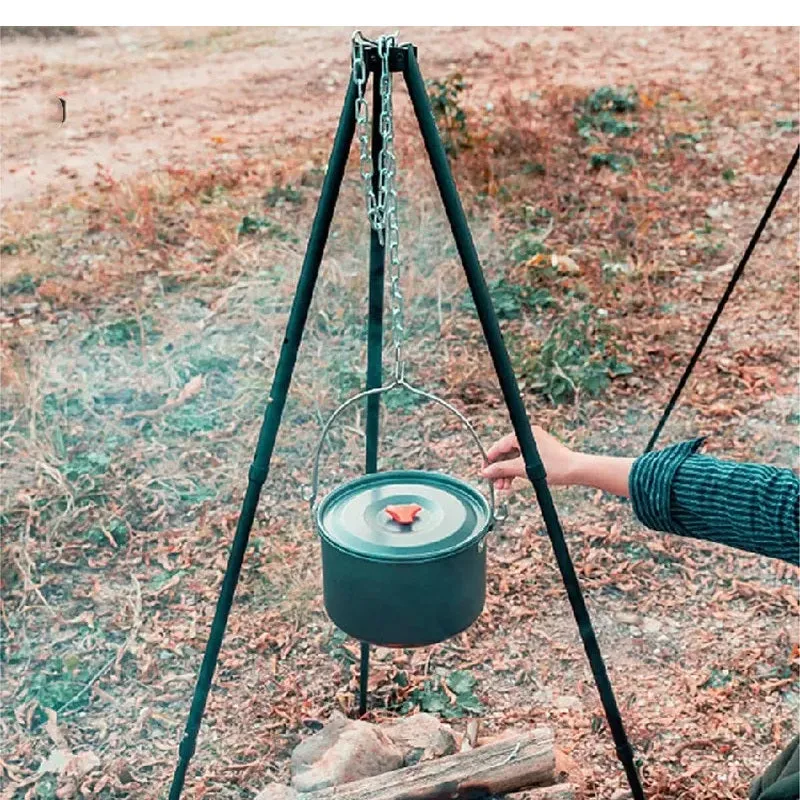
x,y
609,473
749,506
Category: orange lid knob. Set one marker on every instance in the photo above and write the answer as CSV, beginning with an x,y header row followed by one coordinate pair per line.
x,y
404,515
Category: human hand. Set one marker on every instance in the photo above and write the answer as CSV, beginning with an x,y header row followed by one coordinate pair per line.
x,y
505,461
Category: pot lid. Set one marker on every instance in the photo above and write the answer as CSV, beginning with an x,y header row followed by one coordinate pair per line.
x,y
403,516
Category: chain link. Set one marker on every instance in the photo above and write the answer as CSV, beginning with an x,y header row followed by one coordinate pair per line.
x,y
381,208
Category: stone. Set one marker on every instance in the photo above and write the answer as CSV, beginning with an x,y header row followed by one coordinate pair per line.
x,y
543,697
343,751
277,791
567,701
625,618
421,737
718,211
651,626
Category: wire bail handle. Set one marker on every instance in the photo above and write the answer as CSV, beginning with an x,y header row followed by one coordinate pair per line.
x,y
495,515
382,216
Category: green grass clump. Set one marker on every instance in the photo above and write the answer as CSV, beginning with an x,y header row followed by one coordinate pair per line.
x,y
577,357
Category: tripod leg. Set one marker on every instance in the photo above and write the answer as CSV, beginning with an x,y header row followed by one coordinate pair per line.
x,y
363,679
724,299
516,409
374,343
269,429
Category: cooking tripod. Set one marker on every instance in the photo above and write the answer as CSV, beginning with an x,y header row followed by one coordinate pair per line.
x,y
401,59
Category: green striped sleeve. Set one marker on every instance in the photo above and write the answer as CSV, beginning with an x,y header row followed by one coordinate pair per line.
x,y
749,506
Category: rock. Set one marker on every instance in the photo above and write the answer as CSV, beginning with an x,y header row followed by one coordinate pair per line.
x,y
618,268
651,626
567,701
624,618
343,751
543,697
622,794
471,734
277,791
718,211
421,737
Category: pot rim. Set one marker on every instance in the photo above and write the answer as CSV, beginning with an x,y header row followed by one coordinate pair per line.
x,y
474,541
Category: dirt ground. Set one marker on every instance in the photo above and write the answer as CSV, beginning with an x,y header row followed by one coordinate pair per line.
x,y
150,247
142,98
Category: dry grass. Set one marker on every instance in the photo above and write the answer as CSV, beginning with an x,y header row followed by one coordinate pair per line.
x,y
140,334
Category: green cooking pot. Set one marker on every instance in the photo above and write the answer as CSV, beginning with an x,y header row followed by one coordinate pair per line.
x,y
403,552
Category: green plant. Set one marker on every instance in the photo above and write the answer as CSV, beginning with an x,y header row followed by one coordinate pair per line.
x,y
683,140
510,299
533,168
451,118
337,649
433,698
506,298
717,679
575,358
123,332
607,98
614,161
526,246
281,195
606,123
189,419
87,463
24,284
601,112
517,297
251,225
728,175
58,681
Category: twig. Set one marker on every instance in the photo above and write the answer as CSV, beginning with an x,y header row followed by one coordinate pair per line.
x,y
439,299
99,674
137,622
354,430
30,585
193,387
513,754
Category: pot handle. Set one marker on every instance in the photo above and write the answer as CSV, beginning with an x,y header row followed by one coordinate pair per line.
x,y
401,383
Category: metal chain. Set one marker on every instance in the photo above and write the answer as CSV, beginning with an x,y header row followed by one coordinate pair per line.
x,y
362,125
381,209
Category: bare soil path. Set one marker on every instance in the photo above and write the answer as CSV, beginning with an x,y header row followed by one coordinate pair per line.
x,y
138,98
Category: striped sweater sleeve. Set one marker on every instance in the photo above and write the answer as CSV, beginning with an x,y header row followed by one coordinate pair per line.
x,y
749,506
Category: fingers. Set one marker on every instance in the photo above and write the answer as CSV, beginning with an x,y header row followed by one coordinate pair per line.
x,y
505,471
503,483
502,447
500,469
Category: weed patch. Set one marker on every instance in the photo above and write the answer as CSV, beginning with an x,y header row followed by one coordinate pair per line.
x,y
577,357
616,162
602,112
445,97
510,300
251,225
432,697
283,195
